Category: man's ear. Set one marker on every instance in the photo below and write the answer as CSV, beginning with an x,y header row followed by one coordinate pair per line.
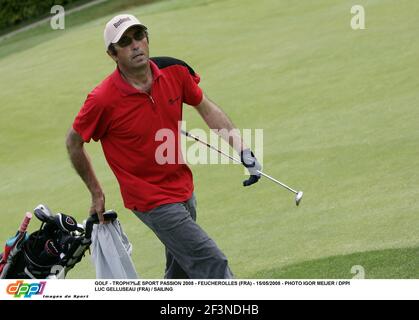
x,y
114,57
112,53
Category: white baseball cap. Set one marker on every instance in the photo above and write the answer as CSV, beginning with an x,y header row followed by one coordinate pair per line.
x,y
116,27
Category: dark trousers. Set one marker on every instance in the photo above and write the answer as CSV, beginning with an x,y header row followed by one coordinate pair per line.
x,y
190,252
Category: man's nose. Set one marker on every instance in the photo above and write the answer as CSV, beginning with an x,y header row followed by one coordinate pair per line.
x,y
135,44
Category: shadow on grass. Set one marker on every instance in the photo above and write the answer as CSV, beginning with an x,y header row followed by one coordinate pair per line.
x,y
382,264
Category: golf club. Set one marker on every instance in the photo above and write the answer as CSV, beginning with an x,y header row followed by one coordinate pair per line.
x,y
43,213
13,246
299,194
65,223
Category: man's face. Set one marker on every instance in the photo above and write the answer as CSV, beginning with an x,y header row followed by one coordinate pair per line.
x,y
132,49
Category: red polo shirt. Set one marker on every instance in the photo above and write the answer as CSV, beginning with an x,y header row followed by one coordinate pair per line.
x,y
126,120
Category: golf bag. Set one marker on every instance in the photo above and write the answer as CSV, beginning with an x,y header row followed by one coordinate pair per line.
x,y
52,251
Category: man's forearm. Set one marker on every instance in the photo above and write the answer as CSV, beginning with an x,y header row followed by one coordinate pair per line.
x,y
218,120
82,164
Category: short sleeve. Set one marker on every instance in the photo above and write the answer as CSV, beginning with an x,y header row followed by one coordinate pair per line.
x,y
192,93
91,122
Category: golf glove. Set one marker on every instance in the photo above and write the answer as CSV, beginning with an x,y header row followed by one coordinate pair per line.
x,y
251,163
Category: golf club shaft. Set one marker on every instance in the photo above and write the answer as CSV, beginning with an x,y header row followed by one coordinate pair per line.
x,y
236,160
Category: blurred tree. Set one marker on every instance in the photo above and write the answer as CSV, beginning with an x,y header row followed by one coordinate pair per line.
x,y
15,12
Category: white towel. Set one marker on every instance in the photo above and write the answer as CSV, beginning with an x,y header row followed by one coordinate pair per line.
x,y
111,252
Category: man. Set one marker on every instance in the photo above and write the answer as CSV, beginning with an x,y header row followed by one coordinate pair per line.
x,y
124,112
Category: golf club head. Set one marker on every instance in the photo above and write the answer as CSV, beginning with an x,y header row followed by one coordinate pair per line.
x,y
80,228
43,213
65,222
298,197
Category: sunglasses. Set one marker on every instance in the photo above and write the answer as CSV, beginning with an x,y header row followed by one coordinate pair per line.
x,y
138,36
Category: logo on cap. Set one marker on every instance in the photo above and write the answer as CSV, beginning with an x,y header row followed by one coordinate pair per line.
x,y
121,21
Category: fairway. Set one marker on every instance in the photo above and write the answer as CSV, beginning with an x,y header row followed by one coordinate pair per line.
x,y
338,108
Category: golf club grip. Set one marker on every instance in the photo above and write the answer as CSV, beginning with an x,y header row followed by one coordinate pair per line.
x,y
94,219
25,222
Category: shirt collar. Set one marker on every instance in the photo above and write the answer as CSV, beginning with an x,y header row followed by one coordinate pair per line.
x,y
126,88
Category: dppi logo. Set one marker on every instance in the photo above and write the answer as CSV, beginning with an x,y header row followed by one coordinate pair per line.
x,y
27,290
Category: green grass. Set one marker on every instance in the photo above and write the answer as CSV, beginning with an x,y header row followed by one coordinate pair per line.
x,y
338,107
381,264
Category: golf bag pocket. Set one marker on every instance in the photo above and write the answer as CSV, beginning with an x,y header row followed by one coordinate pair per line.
x,y
40,253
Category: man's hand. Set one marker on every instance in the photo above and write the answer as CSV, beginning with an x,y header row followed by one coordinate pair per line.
x,y
98,206
251,163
